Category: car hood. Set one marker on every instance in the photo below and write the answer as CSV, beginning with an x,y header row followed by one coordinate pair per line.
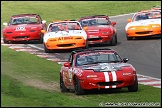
x,y
23,27
101,67
144,22
99,27
65,34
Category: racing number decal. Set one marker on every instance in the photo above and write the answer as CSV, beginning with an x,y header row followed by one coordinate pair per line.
x,y
65,38
70,75
20,28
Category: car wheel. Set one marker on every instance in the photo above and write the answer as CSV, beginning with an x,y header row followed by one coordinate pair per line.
x,y
5,41
129,38
87,46
134,87
77,87
41,38
46,50
62,86
114,40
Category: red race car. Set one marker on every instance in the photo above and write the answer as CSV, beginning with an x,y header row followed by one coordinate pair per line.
x,y
99,29
97,69
24,27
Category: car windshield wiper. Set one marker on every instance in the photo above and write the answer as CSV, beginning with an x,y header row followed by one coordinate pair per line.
x,y
31,23
89,62
114,61
96,62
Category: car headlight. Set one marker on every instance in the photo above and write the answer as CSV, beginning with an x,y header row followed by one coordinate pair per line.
x,y
105,33
127,73
154,26
132,28
92,76
32,30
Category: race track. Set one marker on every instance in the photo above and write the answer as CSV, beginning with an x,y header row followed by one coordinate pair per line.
x,y
143,54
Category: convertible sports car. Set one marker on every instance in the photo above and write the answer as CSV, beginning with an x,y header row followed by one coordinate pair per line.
x,y
99,29
90,69
64,34
144,24
24,27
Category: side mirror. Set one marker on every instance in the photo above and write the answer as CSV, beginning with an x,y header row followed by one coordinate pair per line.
x,y
43,31
67,64
129,20
113,23
85,28
5,24
125,59
44,21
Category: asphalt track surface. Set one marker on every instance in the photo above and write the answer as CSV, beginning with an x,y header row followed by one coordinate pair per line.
x,y
144,54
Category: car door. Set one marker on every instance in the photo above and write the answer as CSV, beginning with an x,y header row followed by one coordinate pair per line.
x,y
68,72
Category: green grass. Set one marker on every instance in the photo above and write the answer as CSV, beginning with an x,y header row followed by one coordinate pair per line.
x,y
50,10
28,80
20,68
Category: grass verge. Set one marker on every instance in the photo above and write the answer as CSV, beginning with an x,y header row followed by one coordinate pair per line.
x,y
31,81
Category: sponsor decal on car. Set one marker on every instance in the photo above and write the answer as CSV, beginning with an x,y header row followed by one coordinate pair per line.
x,y
65,38
20,28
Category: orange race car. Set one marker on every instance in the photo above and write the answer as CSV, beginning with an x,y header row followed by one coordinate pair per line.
x,y
144,24
64,35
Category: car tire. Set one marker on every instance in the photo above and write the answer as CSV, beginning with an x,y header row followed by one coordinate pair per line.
x,y
114,40
62,85
46,50
77,87
134,87
129,38
41,38
5,41
87,46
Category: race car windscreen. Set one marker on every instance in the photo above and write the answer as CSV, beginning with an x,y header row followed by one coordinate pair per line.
x,y
97,57
147,15
64,26
24,20
94,22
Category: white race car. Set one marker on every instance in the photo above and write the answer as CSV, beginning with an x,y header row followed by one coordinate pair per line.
x,y
64,35
144,23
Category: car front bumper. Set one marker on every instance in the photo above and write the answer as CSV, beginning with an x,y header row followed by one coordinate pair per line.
x,y
100,83
66,44
143,32
24,36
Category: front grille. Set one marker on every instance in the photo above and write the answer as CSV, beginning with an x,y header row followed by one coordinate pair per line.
x,y
66,45
9,32
17,37
144,32
94,39
110,83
